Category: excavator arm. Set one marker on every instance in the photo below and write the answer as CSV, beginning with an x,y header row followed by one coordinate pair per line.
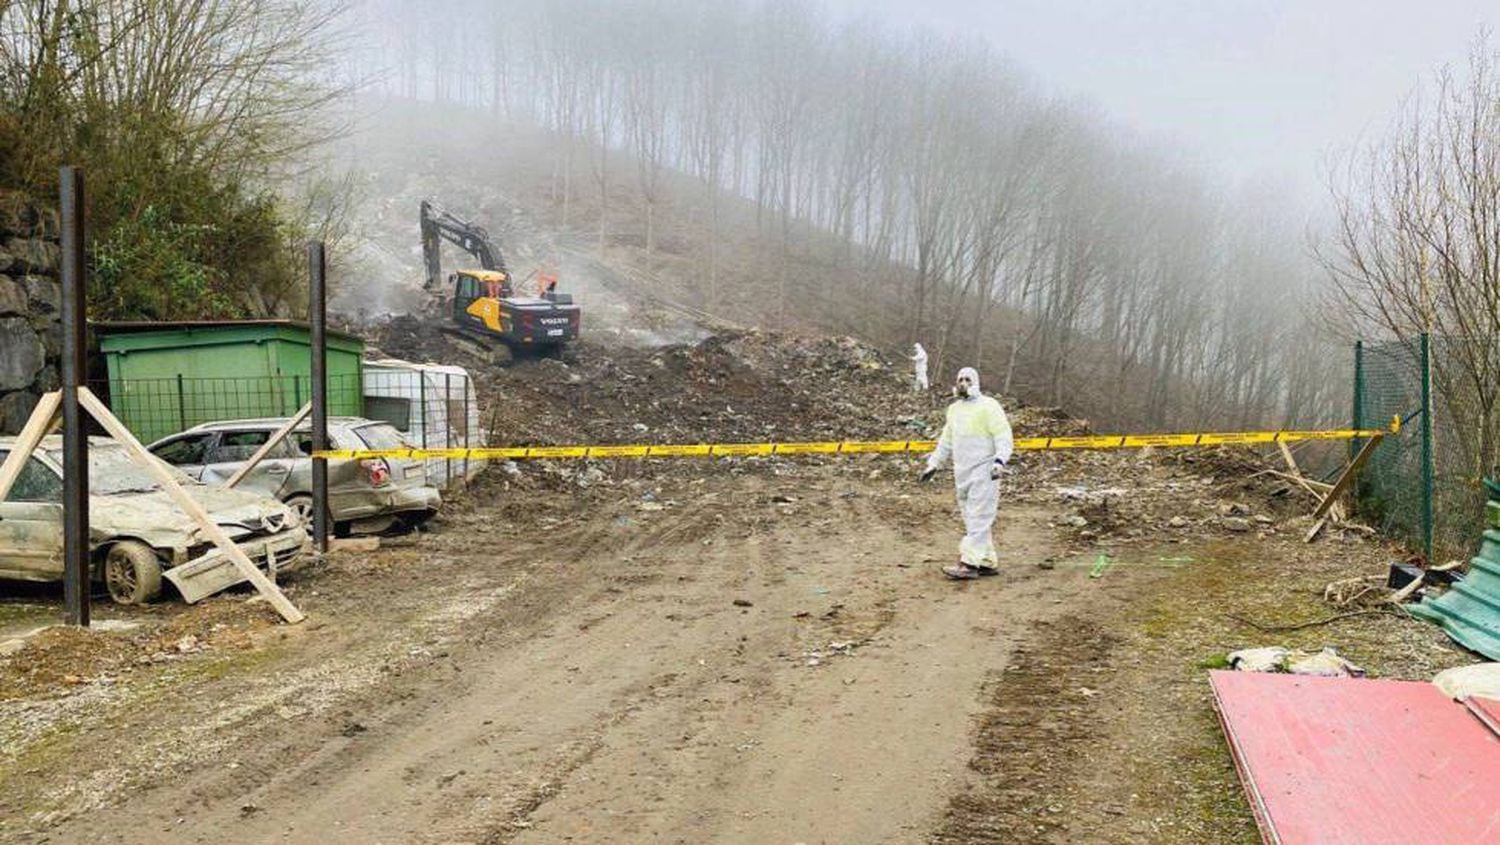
x,y
438,226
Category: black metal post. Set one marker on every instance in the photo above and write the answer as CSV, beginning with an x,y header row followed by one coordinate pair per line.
x,y
468,444
447,427
317,312
1427,456
75,433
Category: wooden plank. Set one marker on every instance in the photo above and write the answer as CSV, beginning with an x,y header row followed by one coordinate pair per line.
x,y
1291,462
153,465
1317,488
1359,760
1317,528
265,449
1346,479
40,422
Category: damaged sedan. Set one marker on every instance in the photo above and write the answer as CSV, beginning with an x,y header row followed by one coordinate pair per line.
x,y
137,535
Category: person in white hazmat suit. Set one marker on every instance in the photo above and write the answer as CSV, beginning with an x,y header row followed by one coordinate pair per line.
x,y
919,363
977,437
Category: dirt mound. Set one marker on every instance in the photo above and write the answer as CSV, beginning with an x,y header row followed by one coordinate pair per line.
x,y
56,659
734,386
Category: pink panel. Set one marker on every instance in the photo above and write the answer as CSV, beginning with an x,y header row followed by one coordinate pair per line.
x,y
1358,761
1488,711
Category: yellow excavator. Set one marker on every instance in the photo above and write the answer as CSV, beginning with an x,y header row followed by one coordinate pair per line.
x,y
487,304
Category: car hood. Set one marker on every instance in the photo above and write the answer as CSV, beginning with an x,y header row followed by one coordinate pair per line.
x,y
154,517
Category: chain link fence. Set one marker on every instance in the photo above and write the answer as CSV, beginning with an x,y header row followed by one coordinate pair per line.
x,y
1426,485
430,406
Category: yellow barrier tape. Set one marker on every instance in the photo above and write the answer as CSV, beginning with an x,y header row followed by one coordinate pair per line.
x,y
856,447
698,451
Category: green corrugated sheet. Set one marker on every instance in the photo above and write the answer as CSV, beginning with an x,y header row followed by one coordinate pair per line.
x,y
1470,610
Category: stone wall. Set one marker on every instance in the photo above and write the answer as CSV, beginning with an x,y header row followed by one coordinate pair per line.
x,y
30,298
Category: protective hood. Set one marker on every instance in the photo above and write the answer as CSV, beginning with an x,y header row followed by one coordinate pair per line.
x,y
973,375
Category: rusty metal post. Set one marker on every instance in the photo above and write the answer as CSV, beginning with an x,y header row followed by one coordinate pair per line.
x,y
318,353
75,432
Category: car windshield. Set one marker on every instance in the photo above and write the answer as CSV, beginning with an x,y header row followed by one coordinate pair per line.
x,y
381,437
111,472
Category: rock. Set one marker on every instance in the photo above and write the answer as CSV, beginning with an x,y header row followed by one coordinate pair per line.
x,y
49,331
187,644
21,354
1235,523
15,409
8,262
45,293
33,255
1263,519
12,297
1075,521
743,603
1234,509
1178,522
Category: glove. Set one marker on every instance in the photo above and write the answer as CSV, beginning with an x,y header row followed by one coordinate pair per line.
x,y
927,475
997,470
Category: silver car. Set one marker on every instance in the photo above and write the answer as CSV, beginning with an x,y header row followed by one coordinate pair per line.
x,y
137,535
364,496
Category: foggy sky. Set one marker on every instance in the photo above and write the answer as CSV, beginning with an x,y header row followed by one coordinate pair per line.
x,y
1258,91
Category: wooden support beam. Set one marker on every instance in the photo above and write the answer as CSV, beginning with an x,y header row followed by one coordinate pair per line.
x,y
1346,478
42,417
189,506
1291,462
1326,507
265,449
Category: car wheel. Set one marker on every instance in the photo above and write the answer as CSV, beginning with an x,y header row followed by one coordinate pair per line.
x,y
302,506
132,573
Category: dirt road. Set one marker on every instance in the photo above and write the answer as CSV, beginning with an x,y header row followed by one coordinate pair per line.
x,y
780,664
756,654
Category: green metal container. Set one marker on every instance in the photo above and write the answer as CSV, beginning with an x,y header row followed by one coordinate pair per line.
x,y
165,377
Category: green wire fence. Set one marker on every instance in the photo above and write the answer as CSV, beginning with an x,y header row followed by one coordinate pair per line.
x,y
1425,485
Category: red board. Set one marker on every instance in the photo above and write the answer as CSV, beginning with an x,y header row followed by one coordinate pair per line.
x,y
1358,761
1487,709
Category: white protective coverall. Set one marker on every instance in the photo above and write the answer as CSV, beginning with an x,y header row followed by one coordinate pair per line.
x,y
976,436
919,359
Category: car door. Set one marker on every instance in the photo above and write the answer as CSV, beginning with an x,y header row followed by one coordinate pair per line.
x,y
187,452
235,447
31,540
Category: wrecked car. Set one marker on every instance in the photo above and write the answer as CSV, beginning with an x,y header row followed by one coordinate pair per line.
x,y
366,496
137,534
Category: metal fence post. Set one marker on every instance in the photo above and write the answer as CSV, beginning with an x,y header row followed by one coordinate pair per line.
x,y
447,428
181,405
75,435
1427,457
468,444
422,417
1357,419
317,313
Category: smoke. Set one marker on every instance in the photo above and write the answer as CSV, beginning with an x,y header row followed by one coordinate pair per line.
x,y
400,158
